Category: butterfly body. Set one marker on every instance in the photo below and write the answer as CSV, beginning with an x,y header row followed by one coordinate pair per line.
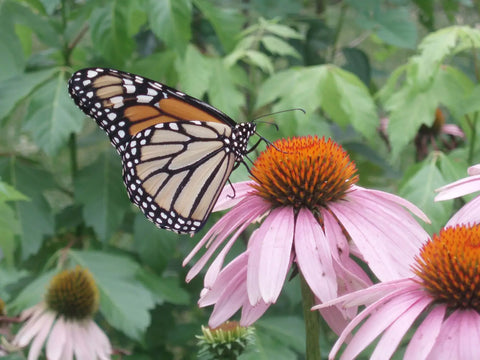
x,y
177,151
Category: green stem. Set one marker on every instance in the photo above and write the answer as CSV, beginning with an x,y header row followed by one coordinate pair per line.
x,y
73,155
338,30
312,323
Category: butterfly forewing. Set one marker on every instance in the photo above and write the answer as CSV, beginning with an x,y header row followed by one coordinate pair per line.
x,y
177,151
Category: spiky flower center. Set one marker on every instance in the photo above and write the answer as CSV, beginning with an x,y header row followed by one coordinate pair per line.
x,y
73,294
448,265
307,172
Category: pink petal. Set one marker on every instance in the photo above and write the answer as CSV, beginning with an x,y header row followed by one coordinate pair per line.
x,y
251,313
37,344
31,327
426,335
276,249
474,170
452,129
314,257
386,234
384,317
468,214
459,188
99,341
249,209
81,348
226,199
56,341
253,270
395,332
334,318
458,337
395,199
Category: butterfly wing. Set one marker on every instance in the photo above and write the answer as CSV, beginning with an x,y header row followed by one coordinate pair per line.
x,y
177,151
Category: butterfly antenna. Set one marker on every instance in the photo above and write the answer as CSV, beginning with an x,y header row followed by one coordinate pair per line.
x,y
278,112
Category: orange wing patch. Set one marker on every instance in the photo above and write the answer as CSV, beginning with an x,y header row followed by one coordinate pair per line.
x,y
144,116
180,109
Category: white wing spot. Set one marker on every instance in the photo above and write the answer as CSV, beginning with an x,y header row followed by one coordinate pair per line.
x,y
144,98
91,73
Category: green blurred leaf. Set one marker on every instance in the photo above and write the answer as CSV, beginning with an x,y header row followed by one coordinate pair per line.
x,y
32,293
280,30
358,63
9,193
278,46
227,22
224,92
50,5
9,227
396,28
23,84
99,188
52,116
12,61
154,246
124,302
290,330
35,216
419,186
170,21
164,289
260,60
195,71
109,31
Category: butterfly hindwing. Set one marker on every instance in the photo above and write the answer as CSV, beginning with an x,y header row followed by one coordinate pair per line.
x,y
177,151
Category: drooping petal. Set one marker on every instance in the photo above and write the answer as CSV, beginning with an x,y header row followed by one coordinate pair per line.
x,y
474,170
81,349
459,188
56,341
37,344
31,327
226,199
397,330
314,256
249,209
426,335
275,253
253,270
335,318
251,313
102,345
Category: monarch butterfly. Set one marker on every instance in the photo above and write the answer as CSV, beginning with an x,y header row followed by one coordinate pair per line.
x,y
177,151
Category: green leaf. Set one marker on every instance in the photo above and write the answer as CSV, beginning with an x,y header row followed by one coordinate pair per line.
x,y
9,193
419,187
170,21
12,61
227,22
32,293
223,92
164,289
50,5
279,46
195,71
23,84
397,28
9,227
280,30
154,246
35,216
99,188
109,31
52,116
124,302
290,330
260,60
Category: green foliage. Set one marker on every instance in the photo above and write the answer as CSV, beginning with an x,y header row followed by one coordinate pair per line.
x,y
353,66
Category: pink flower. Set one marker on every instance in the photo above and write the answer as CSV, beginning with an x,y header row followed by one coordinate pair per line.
x,y
470,212
443,290
312,215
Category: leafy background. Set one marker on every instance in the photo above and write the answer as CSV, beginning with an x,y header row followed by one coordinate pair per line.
x,y
347,63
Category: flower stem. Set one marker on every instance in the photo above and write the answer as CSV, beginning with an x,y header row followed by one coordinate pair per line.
x,y
312,323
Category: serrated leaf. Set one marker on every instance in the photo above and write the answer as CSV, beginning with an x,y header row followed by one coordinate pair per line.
x,y
260,60
23,84
35,216
154,246
99,188
281,30
279,46
124,302
170,21
227,22
52,116
109,31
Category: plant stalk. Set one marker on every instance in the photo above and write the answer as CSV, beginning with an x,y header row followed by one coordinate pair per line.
x,y
312,323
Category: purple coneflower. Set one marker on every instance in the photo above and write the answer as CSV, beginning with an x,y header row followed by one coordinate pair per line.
x,y
63,322
442,294
313,216
470,212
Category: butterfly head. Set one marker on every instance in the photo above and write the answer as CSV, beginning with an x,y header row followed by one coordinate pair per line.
x,y
240,135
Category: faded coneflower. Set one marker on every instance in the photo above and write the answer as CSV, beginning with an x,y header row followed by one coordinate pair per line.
x,y
314,216
470,212
63,322
442,295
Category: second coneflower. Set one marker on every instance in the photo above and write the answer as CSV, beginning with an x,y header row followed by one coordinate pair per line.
x,y
312,215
